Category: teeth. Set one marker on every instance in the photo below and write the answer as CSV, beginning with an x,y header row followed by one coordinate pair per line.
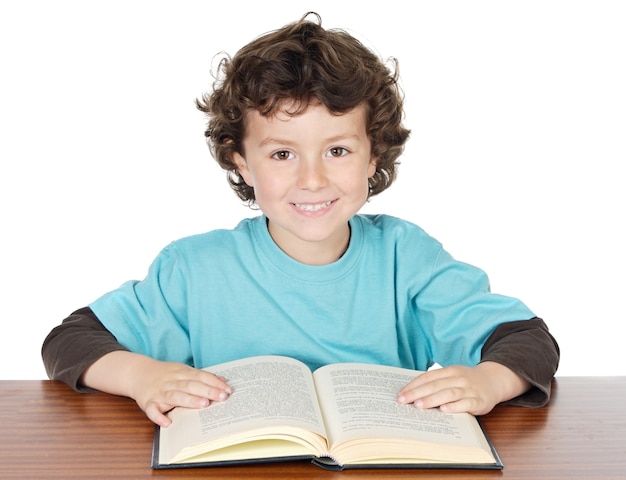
x,y
308,207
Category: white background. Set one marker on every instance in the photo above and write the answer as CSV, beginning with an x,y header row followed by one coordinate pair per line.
x,y
516,161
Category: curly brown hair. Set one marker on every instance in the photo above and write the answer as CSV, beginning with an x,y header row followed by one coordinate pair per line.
x,y
303,62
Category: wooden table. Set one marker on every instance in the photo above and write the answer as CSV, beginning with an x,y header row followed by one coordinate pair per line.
x,y
49,431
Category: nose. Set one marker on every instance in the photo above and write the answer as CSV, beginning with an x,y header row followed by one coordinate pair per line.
x,y
312,174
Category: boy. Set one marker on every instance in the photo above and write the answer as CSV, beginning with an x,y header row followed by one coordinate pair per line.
x,y
308,124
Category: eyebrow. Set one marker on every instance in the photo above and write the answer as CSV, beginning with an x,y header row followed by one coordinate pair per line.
x,y
280,141
273,141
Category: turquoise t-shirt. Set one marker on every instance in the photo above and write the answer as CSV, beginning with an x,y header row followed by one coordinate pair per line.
x,y
396,297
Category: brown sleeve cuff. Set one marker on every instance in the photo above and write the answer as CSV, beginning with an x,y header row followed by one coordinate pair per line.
x,y
528,349
74,345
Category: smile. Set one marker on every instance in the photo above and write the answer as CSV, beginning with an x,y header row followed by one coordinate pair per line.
x,y
312,207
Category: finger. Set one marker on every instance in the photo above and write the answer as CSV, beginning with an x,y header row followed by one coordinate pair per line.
x,y
438,398
196,394
425,378
417,390
462,405
435,393
215,381
158,417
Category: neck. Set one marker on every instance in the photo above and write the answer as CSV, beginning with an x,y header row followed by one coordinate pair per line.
x,y
321,252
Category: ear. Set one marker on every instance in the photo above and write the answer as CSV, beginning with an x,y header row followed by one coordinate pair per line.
x,y
371,168
242,168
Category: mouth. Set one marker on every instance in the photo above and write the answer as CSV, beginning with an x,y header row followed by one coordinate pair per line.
x,y
312,207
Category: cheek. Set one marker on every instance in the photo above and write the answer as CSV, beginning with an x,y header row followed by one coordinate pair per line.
x,y
266,185
355,183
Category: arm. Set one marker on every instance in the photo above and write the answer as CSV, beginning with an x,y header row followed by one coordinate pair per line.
x,y
528,349
84,354
74,345
517,365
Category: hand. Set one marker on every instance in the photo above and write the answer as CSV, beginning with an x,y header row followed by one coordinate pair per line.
x,y
156,386
160,386
464,389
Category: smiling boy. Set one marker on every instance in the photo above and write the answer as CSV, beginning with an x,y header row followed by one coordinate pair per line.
x,y
308,124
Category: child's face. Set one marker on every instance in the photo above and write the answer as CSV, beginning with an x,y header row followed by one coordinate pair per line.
x,y
310,175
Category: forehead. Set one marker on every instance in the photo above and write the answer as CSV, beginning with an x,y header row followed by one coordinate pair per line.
x,y
292,115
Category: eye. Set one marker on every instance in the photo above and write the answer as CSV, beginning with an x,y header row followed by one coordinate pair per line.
x,y
282,155
338,152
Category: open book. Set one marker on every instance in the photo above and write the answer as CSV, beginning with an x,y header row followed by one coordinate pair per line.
x,y
341,416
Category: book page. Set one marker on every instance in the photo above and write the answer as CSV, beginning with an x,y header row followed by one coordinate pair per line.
x,y
360,402
269,392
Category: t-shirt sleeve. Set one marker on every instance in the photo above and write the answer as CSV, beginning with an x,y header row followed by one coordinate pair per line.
x,y
457,312
150,316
